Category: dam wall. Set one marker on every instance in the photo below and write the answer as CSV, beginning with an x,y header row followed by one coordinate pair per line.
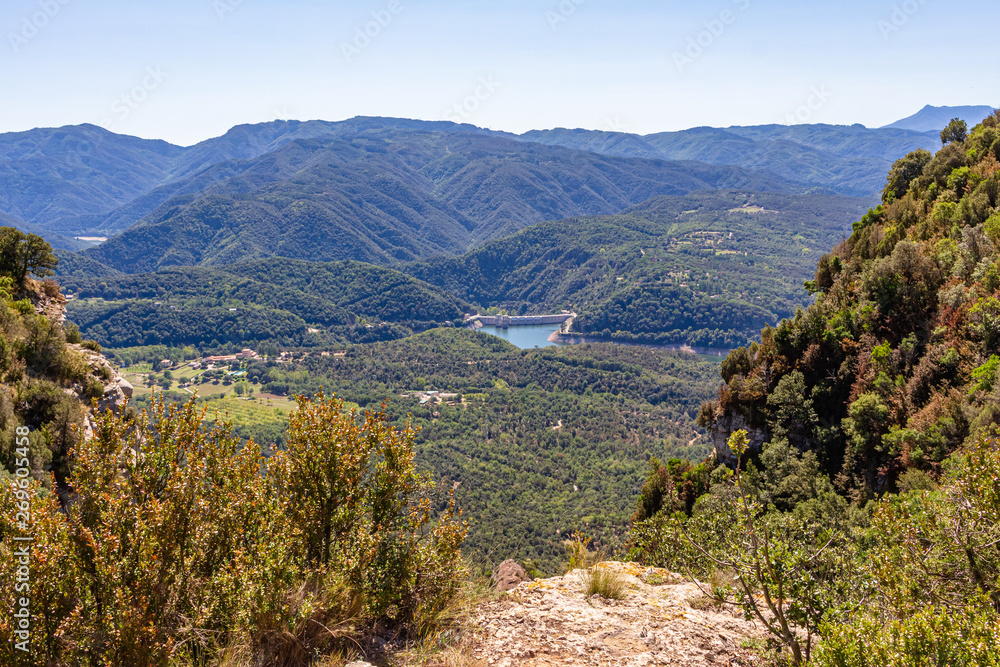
x,y
506,321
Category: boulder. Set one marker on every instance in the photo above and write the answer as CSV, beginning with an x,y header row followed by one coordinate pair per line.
x,y
509,576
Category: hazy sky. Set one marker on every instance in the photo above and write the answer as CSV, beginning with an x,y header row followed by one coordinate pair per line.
x,y
186,70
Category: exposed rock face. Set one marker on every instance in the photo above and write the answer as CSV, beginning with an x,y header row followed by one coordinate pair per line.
x,y
724,427
550,622
509,575
117,390
51,306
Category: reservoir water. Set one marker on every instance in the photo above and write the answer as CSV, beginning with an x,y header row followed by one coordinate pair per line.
x,y
528,337
525,337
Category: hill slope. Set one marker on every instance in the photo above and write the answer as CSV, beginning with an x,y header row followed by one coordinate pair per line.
x,y
55,240
707,268
385,198
83,180
64,179
895,366
274,301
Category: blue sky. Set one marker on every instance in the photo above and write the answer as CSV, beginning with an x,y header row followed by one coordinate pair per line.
x,y
186,70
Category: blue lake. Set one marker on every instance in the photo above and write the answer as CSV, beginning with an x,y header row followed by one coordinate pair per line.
x,y
525,337
529,337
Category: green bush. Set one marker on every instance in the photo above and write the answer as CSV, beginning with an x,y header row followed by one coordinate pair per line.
x,y
932,637
94,388
72,333
182,542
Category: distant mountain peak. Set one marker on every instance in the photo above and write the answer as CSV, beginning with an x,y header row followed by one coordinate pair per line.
x,y
934,119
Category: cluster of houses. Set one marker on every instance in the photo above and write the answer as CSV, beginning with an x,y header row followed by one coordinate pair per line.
x,y
210,362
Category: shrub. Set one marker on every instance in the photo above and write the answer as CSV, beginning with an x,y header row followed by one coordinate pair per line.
x,y
50,288
933,561
779,568
578,552
72,333
93,388
931,636
181,542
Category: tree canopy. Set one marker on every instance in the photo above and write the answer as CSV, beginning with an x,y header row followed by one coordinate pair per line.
x,y
23,254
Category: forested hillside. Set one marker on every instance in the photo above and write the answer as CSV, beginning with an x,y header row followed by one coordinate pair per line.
x,y
853,500
709,268
543,442
280,302
386,196
86,181
894,366
65,179
55,240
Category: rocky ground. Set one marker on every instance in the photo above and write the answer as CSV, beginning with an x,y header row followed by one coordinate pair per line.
x,y
550,622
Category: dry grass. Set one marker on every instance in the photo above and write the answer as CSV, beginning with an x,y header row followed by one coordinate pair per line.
x,y
320,632
704,603
608,584
449,639
721,581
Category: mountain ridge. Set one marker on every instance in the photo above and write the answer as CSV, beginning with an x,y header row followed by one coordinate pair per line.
x,y
376,199
82,180
932,118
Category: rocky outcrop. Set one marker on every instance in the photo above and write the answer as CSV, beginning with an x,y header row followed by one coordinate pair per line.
x,y
661,621
117,390
509,575
47,300
723,427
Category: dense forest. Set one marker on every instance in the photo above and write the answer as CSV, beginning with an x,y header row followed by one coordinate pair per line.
x,y
894,366
710,269
542,442
864,505
281,302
